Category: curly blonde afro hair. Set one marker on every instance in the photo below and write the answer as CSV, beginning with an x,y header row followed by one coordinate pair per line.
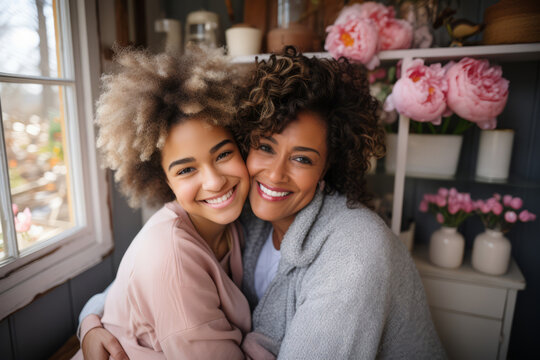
x,y
148,95
338,91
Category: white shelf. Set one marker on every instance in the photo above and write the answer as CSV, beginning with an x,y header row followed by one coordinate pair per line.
x,y
512,52
512,279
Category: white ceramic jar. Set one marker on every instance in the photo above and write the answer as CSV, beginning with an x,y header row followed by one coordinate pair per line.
x,y
446,247
491,252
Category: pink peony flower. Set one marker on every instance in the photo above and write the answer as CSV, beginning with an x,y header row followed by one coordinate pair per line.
x,y
395,34
15,208
510,217
476,91
507,199
23,220
421,93
355,39
424,206
377,12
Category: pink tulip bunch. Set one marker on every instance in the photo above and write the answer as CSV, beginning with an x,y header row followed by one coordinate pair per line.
x,y
502,212
450,207
471,88
23,219
362,30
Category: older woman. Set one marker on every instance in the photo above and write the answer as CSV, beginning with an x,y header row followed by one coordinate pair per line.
x,y
324,275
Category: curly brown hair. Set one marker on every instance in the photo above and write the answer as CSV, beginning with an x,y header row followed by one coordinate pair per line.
x,y
148,95
336,90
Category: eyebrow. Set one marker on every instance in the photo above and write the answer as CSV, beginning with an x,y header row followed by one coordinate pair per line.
x,y
219,145
296,148
191,159
303,148
181,161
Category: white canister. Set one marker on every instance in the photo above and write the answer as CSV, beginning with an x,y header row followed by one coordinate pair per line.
x,y
446,247
494,154
242,41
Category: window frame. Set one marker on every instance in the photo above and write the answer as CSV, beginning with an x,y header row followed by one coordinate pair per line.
x,y
23,279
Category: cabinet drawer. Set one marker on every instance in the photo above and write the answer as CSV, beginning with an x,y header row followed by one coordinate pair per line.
x,y
467,298
467,337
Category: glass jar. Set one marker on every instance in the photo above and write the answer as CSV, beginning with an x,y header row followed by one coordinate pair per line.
x,y
202,28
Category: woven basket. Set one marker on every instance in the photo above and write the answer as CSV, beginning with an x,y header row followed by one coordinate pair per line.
x,y
512,21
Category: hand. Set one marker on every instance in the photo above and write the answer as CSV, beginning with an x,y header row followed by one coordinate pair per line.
x,y
99,343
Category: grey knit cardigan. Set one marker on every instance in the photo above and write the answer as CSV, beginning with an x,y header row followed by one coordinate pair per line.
x,y
346,288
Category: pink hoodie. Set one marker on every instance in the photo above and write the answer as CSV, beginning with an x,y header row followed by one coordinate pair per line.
x,y
172,298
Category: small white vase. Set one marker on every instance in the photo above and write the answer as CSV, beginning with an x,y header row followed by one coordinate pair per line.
x,y
491,252
446,247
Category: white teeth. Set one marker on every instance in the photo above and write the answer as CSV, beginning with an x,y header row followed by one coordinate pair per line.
x,y
271,192
221,198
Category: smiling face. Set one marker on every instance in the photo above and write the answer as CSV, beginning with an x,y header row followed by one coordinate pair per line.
x,y
205,170
285,169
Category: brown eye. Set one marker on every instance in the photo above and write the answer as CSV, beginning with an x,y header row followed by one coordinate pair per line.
x,y
224,155
303,160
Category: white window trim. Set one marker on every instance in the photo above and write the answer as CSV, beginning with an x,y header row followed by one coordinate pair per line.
x,y
36,273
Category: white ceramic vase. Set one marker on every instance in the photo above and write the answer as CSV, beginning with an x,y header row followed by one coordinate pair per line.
x,y
446,247
494,154
491,252
428,155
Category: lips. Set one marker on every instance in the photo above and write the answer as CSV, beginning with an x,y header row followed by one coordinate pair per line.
x,y
221,201
272,194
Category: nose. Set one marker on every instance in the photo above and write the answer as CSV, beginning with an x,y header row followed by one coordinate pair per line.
x,y
213,180
277,170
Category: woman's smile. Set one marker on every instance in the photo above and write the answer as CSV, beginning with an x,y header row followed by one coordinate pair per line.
x,y
221,201
272,194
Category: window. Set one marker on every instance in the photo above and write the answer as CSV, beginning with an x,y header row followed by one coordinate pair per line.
x,y
54,210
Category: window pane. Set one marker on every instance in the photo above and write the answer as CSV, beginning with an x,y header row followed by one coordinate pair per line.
x,y
34,130
27,38
2,250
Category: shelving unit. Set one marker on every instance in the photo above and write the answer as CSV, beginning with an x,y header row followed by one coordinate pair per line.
x,y
497,53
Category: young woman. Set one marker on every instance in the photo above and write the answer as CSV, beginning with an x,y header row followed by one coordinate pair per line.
x,y
163,128
324,275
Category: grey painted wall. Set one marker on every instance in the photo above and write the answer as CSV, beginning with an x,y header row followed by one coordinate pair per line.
x,y
40,328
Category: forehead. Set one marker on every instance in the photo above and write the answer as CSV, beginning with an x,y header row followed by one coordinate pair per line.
x,y
307,127
193,135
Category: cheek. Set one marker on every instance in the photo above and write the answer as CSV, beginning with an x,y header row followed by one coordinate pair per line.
x,y
239,169
253,163
184,190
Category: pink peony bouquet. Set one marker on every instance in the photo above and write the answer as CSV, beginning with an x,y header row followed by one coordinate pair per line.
x,y
477,91
421,93
501,213
450,207
362,30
